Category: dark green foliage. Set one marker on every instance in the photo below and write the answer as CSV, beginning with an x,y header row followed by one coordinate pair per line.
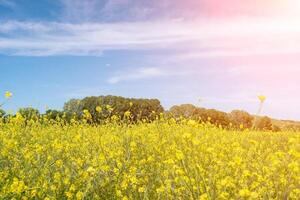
x,y
54,114
115,105
29,113
190,111
73,106
2,113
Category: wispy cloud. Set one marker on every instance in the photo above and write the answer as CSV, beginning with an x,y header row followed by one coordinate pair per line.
x,y
78,10
202,38
137,10
128,10
137,74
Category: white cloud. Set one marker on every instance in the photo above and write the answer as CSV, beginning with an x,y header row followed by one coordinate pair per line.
x,y
197,39
215,53
137,74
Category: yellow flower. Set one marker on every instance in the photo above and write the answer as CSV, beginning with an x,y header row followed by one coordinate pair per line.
x,y
204,197
160,189
57,177
79,195
86,114
124,185
127,114
99,109
91,170
8,94
69,194
114,118
141,189
241,126
33,193
192,122
18,186
59,163
294,167
109,108
261,98
53,187
72,188
118,193
244,193
179,155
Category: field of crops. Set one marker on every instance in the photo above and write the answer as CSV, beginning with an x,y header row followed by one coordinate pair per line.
x,y
159,160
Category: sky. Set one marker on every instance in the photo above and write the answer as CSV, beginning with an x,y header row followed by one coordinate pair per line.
x,y
211,53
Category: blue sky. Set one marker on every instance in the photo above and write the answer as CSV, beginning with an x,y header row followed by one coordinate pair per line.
x,y
206,52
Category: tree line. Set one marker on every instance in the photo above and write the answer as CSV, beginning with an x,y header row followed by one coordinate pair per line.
x,y
102,107
99,109
236,119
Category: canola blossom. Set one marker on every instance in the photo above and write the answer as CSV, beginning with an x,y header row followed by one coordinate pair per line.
x,y
98,109
8,94
165,159
262,98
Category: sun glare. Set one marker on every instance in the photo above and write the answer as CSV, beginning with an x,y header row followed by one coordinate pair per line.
x,y
290,8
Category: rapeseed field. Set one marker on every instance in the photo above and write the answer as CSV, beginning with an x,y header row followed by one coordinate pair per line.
x,y
165,159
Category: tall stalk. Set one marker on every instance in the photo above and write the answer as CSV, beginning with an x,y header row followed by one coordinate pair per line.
x,y
261,99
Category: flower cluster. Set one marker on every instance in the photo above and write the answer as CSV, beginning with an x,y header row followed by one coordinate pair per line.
x,y
165,159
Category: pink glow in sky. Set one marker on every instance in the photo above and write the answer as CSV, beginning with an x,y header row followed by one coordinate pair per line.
x,y
237,8
256,42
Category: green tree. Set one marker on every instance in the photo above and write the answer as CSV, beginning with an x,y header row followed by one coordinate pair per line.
x,y
190,111
184,110
238,117
2,113
264,124
73,106
29,113
217,117
115,105
54,114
